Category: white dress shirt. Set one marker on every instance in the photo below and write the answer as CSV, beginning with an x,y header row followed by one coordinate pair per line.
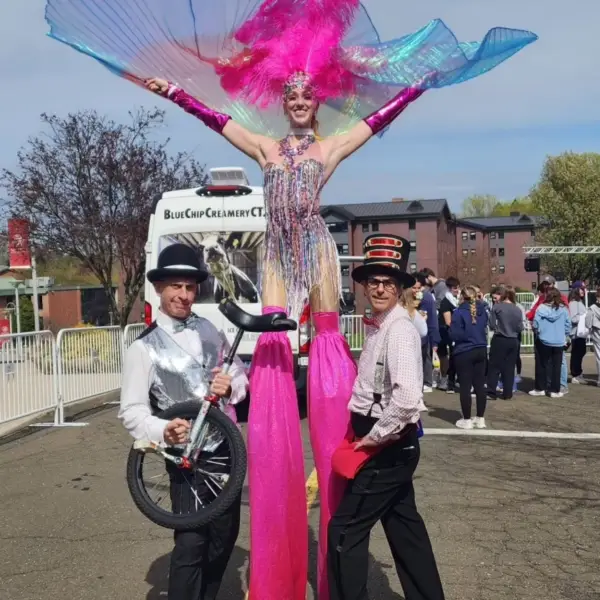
x,y
138,372
393,334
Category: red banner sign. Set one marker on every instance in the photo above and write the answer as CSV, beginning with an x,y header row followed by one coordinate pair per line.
x,y
19,256
4,330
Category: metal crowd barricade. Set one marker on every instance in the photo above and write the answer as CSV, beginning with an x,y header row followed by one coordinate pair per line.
x,y
131,333
28,375
89,363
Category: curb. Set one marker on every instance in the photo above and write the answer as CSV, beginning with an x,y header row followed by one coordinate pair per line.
x,y
74,411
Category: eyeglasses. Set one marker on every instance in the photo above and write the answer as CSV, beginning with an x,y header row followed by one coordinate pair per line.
x,y
389,285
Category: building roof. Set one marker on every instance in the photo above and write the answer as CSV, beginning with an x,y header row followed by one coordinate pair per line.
x,y
513,222
388,210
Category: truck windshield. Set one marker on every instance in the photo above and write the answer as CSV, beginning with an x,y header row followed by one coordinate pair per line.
x,y
233,259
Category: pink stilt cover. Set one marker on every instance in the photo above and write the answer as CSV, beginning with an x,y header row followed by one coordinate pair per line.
x,y
278,516
331,374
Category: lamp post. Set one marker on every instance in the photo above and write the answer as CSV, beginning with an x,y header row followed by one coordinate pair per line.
x,y
17,285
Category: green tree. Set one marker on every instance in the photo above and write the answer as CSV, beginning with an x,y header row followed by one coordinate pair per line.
x,y
88,184
26,314
568,197
479,205
523,206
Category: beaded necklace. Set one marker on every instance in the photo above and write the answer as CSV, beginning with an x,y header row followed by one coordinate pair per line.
x,y
288,153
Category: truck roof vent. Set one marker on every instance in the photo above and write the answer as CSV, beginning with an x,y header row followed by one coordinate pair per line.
x,y
229,176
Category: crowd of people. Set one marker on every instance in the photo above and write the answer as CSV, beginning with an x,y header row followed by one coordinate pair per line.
x,y
476,339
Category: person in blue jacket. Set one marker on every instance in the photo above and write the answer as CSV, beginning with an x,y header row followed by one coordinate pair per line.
x,y
431,342
552,325
468,333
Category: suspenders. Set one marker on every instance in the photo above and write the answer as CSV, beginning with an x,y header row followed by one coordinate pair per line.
x,y
380,371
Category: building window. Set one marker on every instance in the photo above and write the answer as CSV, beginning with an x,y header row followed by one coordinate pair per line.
x,y
494,269
473,251
338,227
345,270
374,226
343,248
500,251
465,269
413,246
492,251
412,224
534,285
465,236
465,252
502,268
473,235
473,270
501,235
413,267
365,227
493,235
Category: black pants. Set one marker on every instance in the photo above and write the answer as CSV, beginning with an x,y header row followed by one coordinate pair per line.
x,y
538,365
578,350
549,371
519,361
426,353
503,358
470,368
200,557
382,491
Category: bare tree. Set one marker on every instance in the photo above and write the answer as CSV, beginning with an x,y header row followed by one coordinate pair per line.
x,y
88,187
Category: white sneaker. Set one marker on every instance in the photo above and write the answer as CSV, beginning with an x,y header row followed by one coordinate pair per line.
x,y
556,395
427,389
464,424
479,422
537,393
580,380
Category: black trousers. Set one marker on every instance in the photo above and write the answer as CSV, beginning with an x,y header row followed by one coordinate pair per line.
x,y
549,371
503,358
470,369
426,353
578,350
382,491
200,557
519,361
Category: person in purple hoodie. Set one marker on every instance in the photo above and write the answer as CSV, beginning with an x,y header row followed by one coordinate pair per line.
x,y
427,309
468,333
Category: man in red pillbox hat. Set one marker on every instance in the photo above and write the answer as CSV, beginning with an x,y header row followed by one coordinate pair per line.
x,y
381,451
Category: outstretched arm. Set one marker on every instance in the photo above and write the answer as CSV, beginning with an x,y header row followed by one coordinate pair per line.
x,y
244,140
344,145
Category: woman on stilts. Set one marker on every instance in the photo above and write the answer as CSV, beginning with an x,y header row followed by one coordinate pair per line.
x,y
258,75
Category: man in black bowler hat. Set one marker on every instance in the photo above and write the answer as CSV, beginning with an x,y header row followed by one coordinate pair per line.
x,y
175,360
385,409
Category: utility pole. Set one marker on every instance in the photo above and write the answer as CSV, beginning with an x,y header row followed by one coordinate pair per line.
x,y
34,285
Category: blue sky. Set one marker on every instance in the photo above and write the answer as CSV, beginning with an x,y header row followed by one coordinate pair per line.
x,y
489,135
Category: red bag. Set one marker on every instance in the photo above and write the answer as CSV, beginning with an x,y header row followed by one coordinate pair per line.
x,y
347,462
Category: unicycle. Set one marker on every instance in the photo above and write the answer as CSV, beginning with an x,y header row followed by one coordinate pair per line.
x,y
213,461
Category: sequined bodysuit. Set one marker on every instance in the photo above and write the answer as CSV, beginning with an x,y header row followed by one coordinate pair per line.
x,y
299,248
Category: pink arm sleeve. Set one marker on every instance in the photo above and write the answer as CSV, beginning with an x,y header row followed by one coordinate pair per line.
x,y
381,118
211,118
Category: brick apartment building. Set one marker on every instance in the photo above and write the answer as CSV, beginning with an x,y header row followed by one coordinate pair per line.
x,y
484,251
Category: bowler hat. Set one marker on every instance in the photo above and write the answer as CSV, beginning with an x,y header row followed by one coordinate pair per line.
x,y
178,260
385,254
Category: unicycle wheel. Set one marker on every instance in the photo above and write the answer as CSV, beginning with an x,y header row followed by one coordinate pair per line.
x,y
184,499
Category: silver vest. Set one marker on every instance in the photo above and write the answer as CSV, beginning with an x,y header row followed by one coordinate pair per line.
x,y
178,376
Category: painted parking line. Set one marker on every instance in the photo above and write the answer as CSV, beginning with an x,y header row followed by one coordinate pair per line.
x,y
508,434
312,490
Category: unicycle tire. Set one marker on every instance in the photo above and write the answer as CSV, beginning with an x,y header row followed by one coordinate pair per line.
x,y
221,503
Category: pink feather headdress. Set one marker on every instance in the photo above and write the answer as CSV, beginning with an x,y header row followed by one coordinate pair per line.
x,y
288,43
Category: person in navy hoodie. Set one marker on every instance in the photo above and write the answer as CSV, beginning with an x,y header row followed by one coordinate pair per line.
x,y
468,332
431,342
